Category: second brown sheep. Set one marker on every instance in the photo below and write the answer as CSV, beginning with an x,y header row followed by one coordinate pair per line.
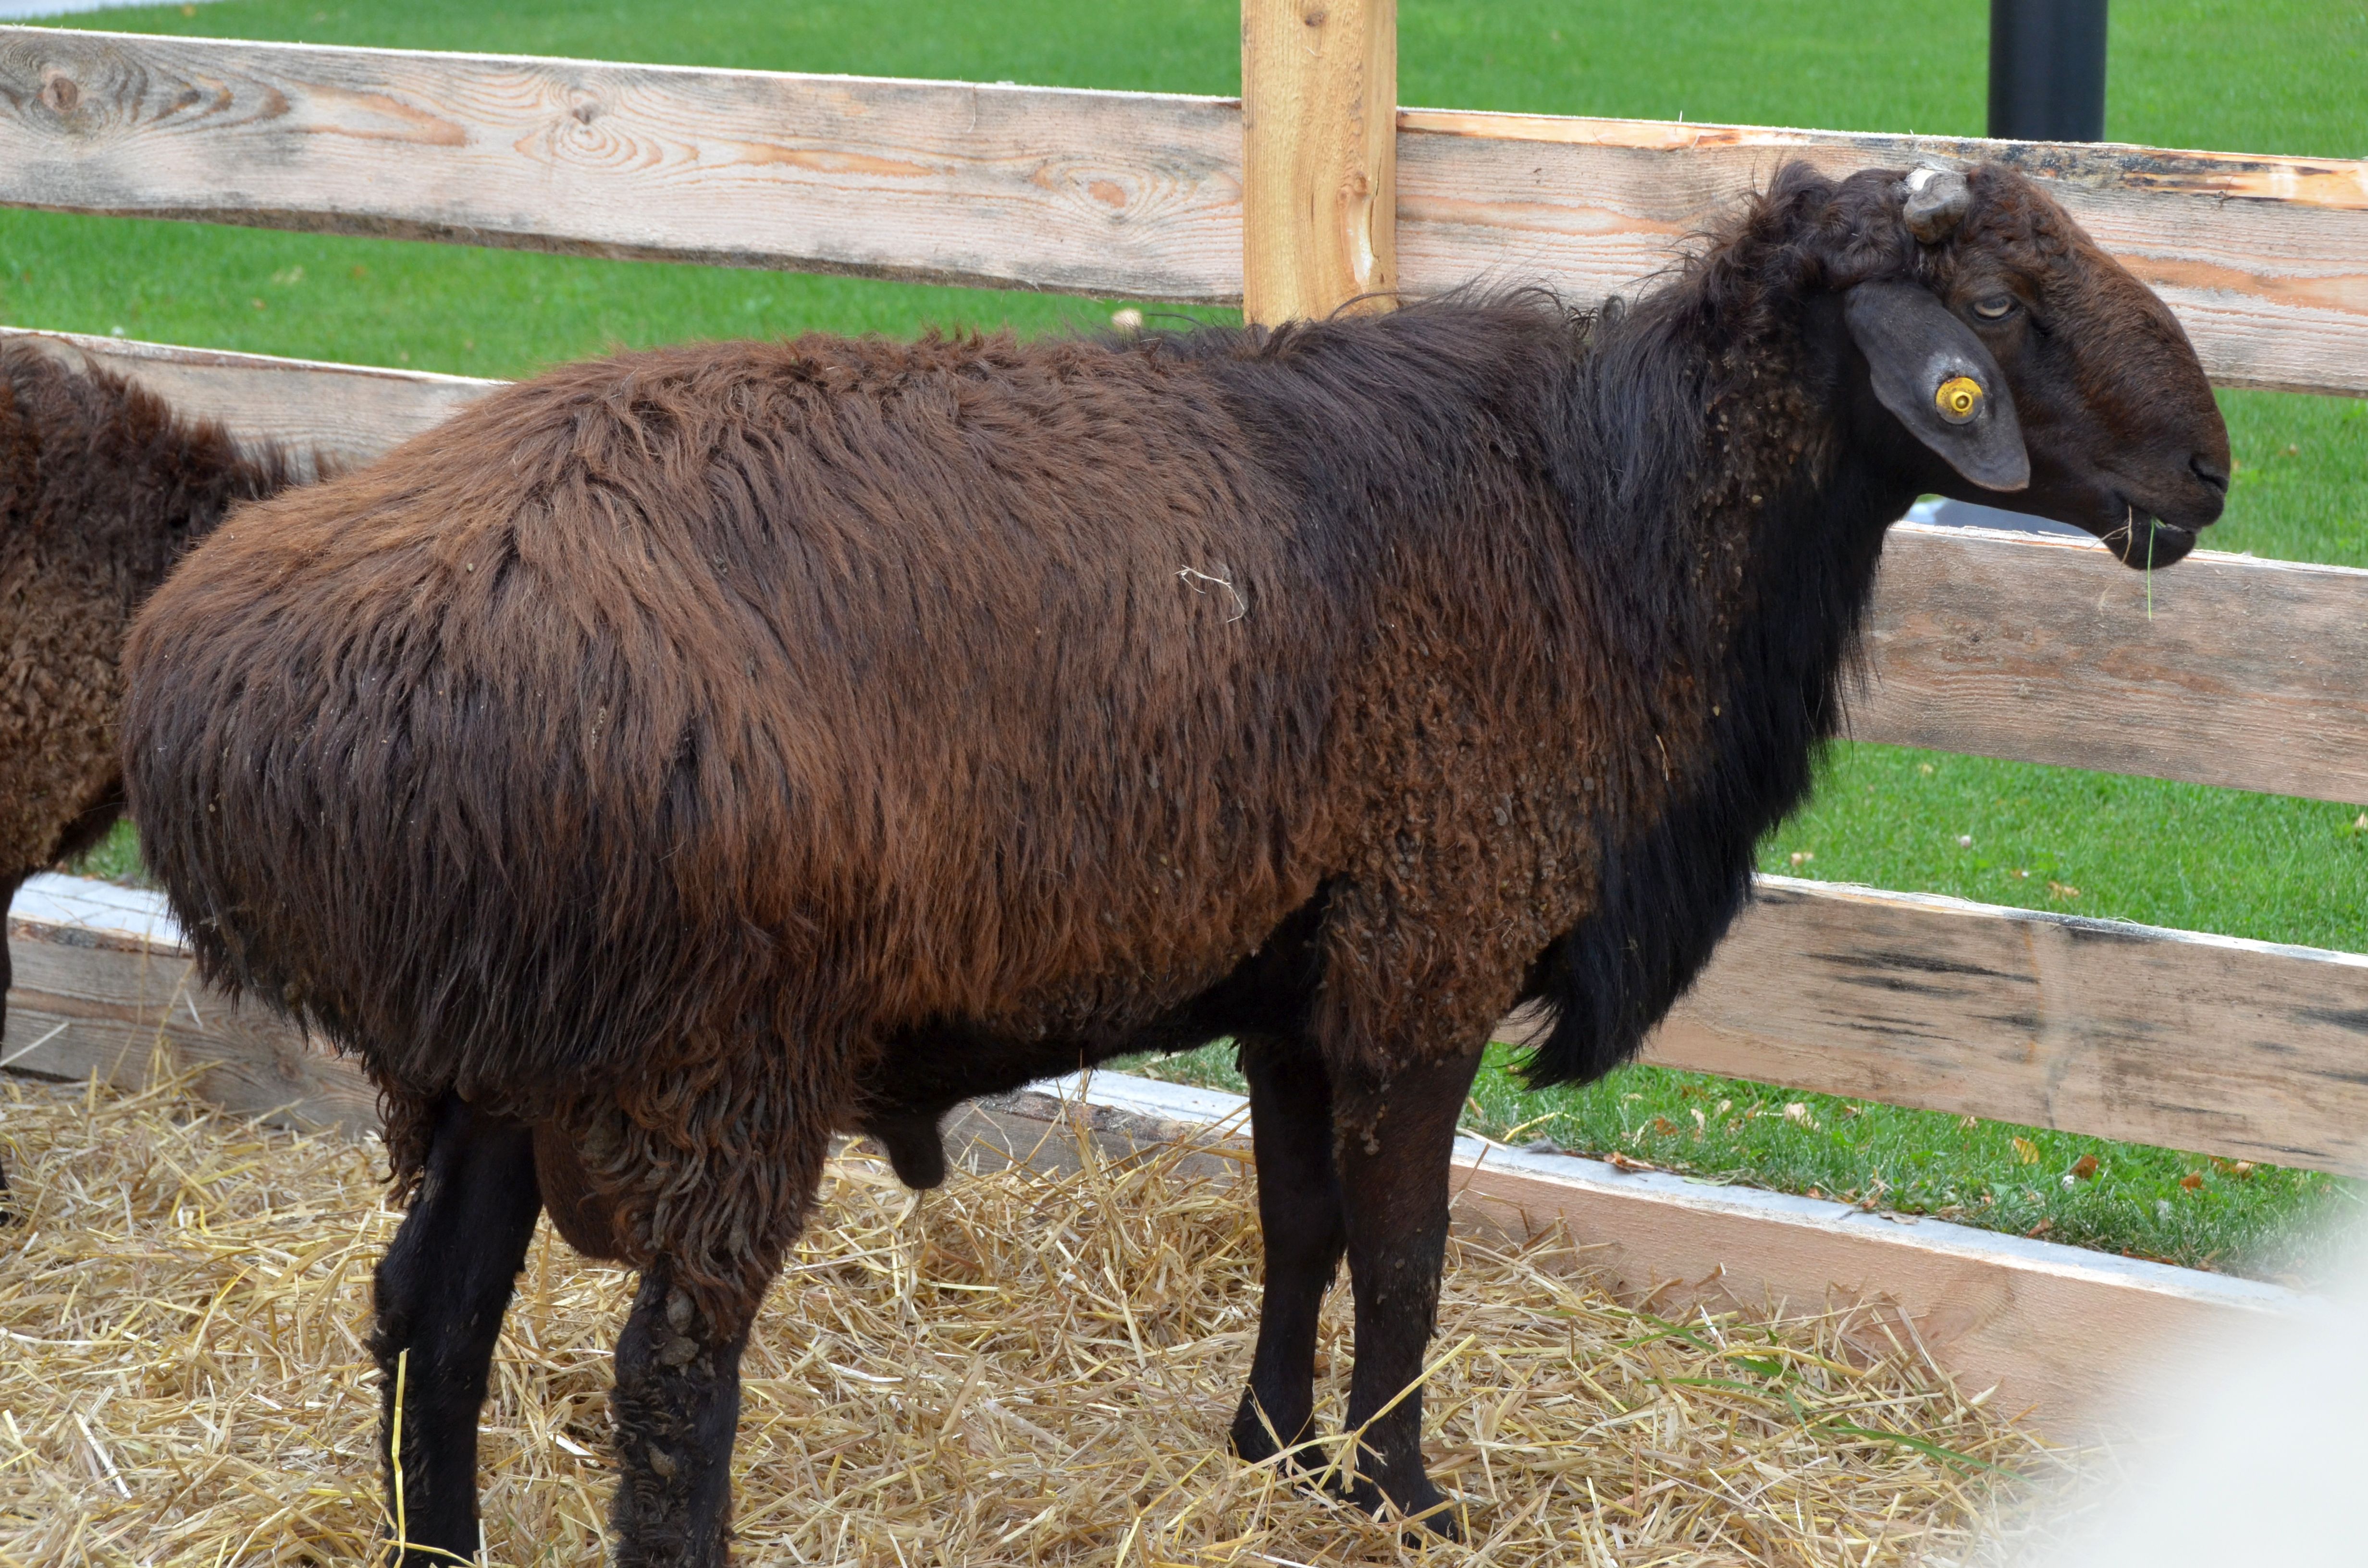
x,y
102,487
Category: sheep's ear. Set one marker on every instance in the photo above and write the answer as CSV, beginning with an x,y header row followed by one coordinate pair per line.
x,y
1931,372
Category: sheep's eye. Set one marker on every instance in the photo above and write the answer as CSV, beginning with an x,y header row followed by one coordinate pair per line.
x,y
1997,307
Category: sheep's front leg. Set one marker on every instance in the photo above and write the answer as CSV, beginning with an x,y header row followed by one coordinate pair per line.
x,y
1396,1143
442,1288
677,1407
1300,1214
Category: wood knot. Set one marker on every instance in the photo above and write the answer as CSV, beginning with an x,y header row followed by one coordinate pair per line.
x,y
61,92
585,112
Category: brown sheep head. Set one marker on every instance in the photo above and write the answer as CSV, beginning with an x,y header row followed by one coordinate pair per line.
x,y
2031,363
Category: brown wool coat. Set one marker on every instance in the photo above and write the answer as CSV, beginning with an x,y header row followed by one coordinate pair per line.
x,y
101,488
805,692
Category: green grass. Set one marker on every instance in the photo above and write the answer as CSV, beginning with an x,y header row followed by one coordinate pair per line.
x,y
2263,75
2261,865
2300,491
2142,1202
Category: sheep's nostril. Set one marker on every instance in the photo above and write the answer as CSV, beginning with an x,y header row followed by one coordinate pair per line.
x,y
2210,472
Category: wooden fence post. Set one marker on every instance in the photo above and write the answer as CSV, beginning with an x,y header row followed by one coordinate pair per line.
x,y
1319,154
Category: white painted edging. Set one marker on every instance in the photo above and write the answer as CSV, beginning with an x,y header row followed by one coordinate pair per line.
x,y
2066,1335
80,903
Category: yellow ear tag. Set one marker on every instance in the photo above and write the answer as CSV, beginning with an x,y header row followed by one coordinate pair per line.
x,y
1959,399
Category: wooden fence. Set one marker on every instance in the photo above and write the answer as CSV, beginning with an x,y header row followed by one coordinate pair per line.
x,y
2249,674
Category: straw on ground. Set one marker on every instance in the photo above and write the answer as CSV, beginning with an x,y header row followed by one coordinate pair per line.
x,y
1022,1368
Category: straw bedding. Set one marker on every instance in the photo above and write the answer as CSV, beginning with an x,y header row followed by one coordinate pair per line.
x,y
1020,1367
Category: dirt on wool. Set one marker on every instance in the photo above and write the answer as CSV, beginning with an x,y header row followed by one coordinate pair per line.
x,y
1019,1368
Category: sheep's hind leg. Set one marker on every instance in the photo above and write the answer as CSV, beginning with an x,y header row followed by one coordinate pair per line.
x,y
442,1288
1395,1145
678,1406
736,1167
1301,1216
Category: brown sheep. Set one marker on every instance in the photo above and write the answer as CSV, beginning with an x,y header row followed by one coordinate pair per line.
x,y
101,489
680,757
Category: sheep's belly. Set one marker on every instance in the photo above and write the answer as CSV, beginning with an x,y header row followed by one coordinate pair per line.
x,y
956,1056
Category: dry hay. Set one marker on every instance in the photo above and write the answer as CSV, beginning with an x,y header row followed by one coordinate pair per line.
x,y
1021,1368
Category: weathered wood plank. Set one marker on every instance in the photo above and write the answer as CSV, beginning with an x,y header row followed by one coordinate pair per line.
x,y
2245,672
122,1012
2264,259
1319,139
2250,1049
346,414
2065,1336
1089,192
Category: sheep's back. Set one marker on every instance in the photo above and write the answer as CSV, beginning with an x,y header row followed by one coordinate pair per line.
x,y
840,681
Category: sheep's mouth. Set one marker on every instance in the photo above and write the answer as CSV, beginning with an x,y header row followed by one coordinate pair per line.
x,y
2140,538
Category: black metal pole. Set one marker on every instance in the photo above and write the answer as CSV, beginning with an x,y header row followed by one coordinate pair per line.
x,y
2047,70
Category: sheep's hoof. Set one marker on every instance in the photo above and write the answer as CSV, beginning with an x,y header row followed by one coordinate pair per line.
x,y
1255,1444
1423,1506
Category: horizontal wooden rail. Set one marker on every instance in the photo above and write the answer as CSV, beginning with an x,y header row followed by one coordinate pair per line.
x,y
2265,258
344,415
2247,674
1088,192
104,990
2248,1050
2224,669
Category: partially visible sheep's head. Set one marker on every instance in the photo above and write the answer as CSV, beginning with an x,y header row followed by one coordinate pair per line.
x,y
2031,362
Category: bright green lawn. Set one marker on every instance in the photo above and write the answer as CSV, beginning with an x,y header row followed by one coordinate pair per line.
x,y
2264,75
2236,1217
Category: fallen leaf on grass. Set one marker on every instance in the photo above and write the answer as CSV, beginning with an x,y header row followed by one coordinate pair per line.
x,y
2191,1180
2026,1151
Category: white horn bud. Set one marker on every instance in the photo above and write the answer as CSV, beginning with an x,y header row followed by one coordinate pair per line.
x,y
1935,200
